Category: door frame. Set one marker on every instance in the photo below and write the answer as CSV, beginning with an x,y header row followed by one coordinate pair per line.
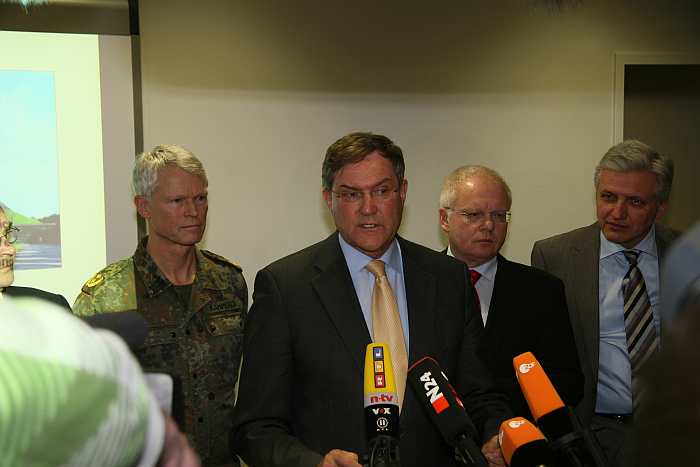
x,y
622,59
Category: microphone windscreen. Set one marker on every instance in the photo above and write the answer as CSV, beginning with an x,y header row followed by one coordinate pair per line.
x,y
538,390
437,396
129,325
381,399
523,445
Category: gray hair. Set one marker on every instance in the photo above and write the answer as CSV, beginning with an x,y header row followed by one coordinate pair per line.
x,y
148,164
460,175
631,155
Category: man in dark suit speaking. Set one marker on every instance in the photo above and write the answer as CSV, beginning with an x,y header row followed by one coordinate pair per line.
x,y
523,309
300,400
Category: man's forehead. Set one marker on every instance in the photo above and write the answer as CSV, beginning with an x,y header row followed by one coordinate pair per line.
x,y
181,182
483,188
635,182
367,172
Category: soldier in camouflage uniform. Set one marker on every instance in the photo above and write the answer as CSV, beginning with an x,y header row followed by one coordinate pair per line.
x,y
193,300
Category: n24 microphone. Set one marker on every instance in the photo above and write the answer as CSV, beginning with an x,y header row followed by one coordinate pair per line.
x,y
445,409
523,445
381,408
573,446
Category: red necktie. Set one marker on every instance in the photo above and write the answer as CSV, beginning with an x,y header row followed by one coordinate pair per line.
x,y
474,276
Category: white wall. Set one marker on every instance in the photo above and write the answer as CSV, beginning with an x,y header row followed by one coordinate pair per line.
x,y
258,90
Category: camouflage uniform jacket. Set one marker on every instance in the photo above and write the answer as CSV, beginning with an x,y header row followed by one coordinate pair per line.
x,y
198,343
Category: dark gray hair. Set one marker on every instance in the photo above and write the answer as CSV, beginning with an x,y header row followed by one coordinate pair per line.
x,y
355,147
448,194
632,155
145,175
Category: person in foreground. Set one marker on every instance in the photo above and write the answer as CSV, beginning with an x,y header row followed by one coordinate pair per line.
x,y
193,300
523,309
667,427
300,400
84,399
611,274
24,296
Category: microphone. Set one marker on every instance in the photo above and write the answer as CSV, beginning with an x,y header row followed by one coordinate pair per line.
x,y
129,325
381,408
523,445
445,409
572,445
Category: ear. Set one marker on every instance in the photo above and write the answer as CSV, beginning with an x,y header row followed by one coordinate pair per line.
x,y
328,198
444,223
403,189
142,206
661,211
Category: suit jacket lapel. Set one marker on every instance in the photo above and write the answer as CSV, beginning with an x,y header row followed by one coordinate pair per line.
x,y
584,268
336,293
503,280
420,299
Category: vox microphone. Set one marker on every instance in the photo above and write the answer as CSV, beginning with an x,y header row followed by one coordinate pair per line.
x,y
381,408
523,445
445,409
572,445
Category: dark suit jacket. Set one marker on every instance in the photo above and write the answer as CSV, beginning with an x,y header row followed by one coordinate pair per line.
x,y
573,257
301,383
528,314
21,292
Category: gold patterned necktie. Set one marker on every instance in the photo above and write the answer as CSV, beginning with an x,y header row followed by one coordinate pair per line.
x,y
386,324
642,339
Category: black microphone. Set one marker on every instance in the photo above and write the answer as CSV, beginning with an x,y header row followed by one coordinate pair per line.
x,y
381,409
573,446
445,409
129,325
523,445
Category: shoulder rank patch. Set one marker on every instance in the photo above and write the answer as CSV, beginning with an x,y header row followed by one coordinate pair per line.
x,y
99,278
220,259
93,282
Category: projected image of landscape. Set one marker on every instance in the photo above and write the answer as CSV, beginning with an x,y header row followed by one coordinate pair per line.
x,y
29,166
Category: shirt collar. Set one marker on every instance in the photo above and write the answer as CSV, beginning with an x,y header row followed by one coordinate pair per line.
x,y
487,269
156,282
356,260
646,245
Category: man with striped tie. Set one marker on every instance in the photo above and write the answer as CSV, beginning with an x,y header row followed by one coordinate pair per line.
x,y
611,273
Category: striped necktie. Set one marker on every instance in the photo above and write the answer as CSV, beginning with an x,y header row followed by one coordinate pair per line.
x,y
642,339
386,324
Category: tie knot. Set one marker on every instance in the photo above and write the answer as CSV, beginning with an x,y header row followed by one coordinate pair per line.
x,y
376,267
474,276
632,256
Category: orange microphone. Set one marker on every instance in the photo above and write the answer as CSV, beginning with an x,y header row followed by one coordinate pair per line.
x,y
541,397
523,445
572,445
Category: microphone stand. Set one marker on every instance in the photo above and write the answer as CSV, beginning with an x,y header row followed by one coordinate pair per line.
x,y
468,453
383,452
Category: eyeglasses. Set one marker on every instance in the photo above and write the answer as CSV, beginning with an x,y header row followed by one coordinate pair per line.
x,y
354,196
477,217
10,234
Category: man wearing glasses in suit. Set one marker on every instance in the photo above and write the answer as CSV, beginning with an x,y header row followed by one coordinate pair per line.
x,y
522,308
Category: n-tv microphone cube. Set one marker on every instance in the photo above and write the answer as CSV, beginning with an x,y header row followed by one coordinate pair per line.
x,y
381,408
